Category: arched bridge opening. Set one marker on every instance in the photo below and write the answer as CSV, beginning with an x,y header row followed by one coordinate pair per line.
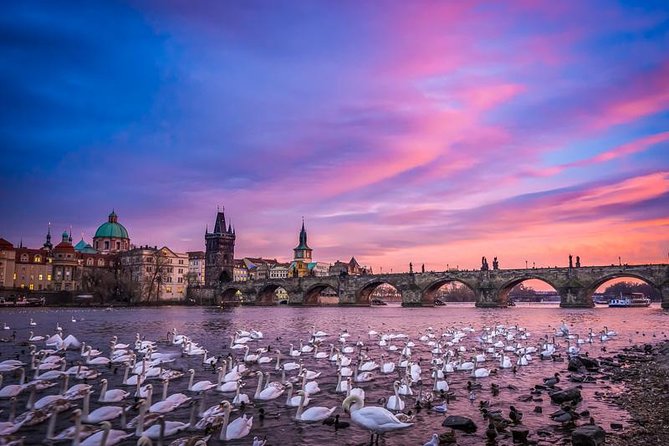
x,y
528,289
232,296
622,285
448,290
321,294
272,294
378,293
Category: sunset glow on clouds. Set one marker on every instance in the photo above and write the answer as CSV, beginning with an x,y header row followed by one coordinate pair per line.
x,y
433,132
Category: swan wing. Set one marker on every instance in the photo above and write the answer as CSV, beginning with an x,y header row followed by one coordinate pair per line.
x,y
317,413
377,419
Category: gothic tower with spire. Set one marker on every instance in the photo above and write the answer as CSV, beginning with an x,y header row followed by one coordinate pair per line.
x,y
302,251
220,252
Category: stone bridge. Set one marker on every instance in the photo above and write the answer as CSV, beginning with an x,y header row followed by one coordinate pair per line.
x,y
574,285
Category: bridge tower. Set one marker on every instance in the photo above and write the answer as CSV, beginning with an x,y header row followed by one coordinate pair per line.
x,y
220,252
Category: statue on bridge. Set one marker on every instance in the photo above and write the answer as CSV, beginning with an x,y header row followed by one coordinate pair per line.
x,y
484,264
495,264
422,268
571,263
410,268
578,261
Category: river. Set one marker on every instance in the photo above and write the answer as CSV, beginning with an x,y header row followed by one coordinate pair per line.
x,y
281,326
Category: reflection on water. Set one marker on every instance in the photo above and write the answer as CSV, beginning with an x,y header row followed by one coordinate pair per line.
x,y
212,328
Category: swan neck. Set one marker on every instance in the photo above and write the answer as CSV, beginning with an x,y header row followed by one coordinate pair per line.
x,y
77,430
259,388
103,391
140,422
226,420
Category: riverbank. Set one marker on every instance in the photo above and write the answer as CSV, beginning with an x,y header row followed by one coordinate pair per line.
x,y
644,370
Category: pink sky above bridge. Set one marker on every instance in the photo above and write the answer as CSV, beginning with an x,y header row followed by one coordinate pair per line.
x,y
426,132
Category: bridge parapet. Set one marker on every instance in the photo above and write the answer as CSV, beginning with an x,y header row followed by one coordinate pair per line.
x,y
574,285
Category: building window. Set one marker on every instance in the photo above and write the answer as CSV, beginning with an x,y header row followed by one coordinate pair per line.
x,y
101,262
149,269
181,271
181,262
107,245
89,261
168,289
97,245
39,287
180,279
38,258
32,287
24,257
14,276
40,277
48,277
118,246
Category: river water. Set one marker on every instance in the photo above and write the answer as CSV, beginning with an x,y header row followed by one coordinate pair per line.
x,y
281,326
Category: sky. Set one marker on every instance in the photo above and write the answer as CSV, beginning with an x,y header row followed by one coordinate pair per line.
x,y
432,132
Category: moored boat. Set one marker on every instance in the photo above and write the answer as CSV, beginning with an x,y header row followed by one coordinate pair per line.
x,y
633,300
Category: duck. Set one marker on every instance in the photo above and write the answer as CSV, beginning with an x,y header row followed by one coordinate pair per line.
x,y
376,420
515,415
316,413
552,381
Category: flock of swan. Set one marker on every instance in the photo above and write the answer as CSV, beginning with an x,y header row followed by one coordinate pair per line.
x,y
428,368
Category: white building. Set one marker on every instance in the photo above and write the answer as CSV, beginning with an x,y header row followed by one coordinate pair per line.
x,y
196,262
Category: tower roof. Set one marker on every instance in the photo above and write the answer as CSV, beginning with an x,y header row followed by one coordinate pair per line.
x,y
303,238
220,225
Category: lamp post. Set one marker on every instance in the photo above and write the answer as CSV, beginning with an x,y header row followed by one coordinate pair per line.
x,y
525,264
620,262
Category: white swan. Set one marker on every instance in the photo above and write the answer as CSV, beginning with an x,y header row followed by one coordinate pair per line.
x,y
439,384
85,431
239,428
269,393
395,402
106,437
224,387
479,372
240,397
105,413
310,387
12,390
375,419
294,401
164,428
316,413
200,386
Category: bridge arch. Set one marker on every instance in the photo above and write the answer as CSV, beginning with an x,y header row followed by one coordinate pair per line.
x,y
364,294
312,296
592,288
231,295
267,295
429,293
505,289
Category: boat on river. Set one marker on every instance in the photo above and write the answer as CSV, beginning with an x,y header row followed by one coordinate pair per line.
x,y
633,300
376,301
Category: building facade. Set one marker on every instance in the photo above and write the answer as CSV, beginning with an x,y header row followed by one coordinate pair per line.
x,y
196,269
220,253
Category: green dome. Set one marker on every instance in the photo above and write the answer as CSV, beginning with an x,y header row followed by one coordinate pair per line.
x,y
112,228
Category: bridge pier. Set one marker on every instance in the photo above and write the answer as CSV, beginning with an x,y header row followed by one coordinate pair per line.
x,y
488,297
664,289
574,296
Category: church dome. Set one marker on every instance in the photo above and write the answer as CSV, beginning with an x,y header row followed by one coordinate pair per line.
x,y
112,229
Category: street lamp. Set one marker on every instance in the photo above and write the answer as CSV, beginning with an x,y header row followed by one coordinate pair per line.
x,y
525,264
620,262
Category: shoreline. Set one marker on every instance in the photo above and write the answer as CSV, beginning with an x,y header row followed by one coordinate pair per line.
x,y
644,371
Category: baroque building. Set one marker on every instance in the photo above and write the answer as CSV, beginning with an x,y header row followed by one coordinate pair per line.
x,y
220,252
111,237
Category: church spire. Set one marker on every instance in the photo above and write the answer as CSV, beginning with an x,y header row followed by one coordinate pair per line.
x,y
47,243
